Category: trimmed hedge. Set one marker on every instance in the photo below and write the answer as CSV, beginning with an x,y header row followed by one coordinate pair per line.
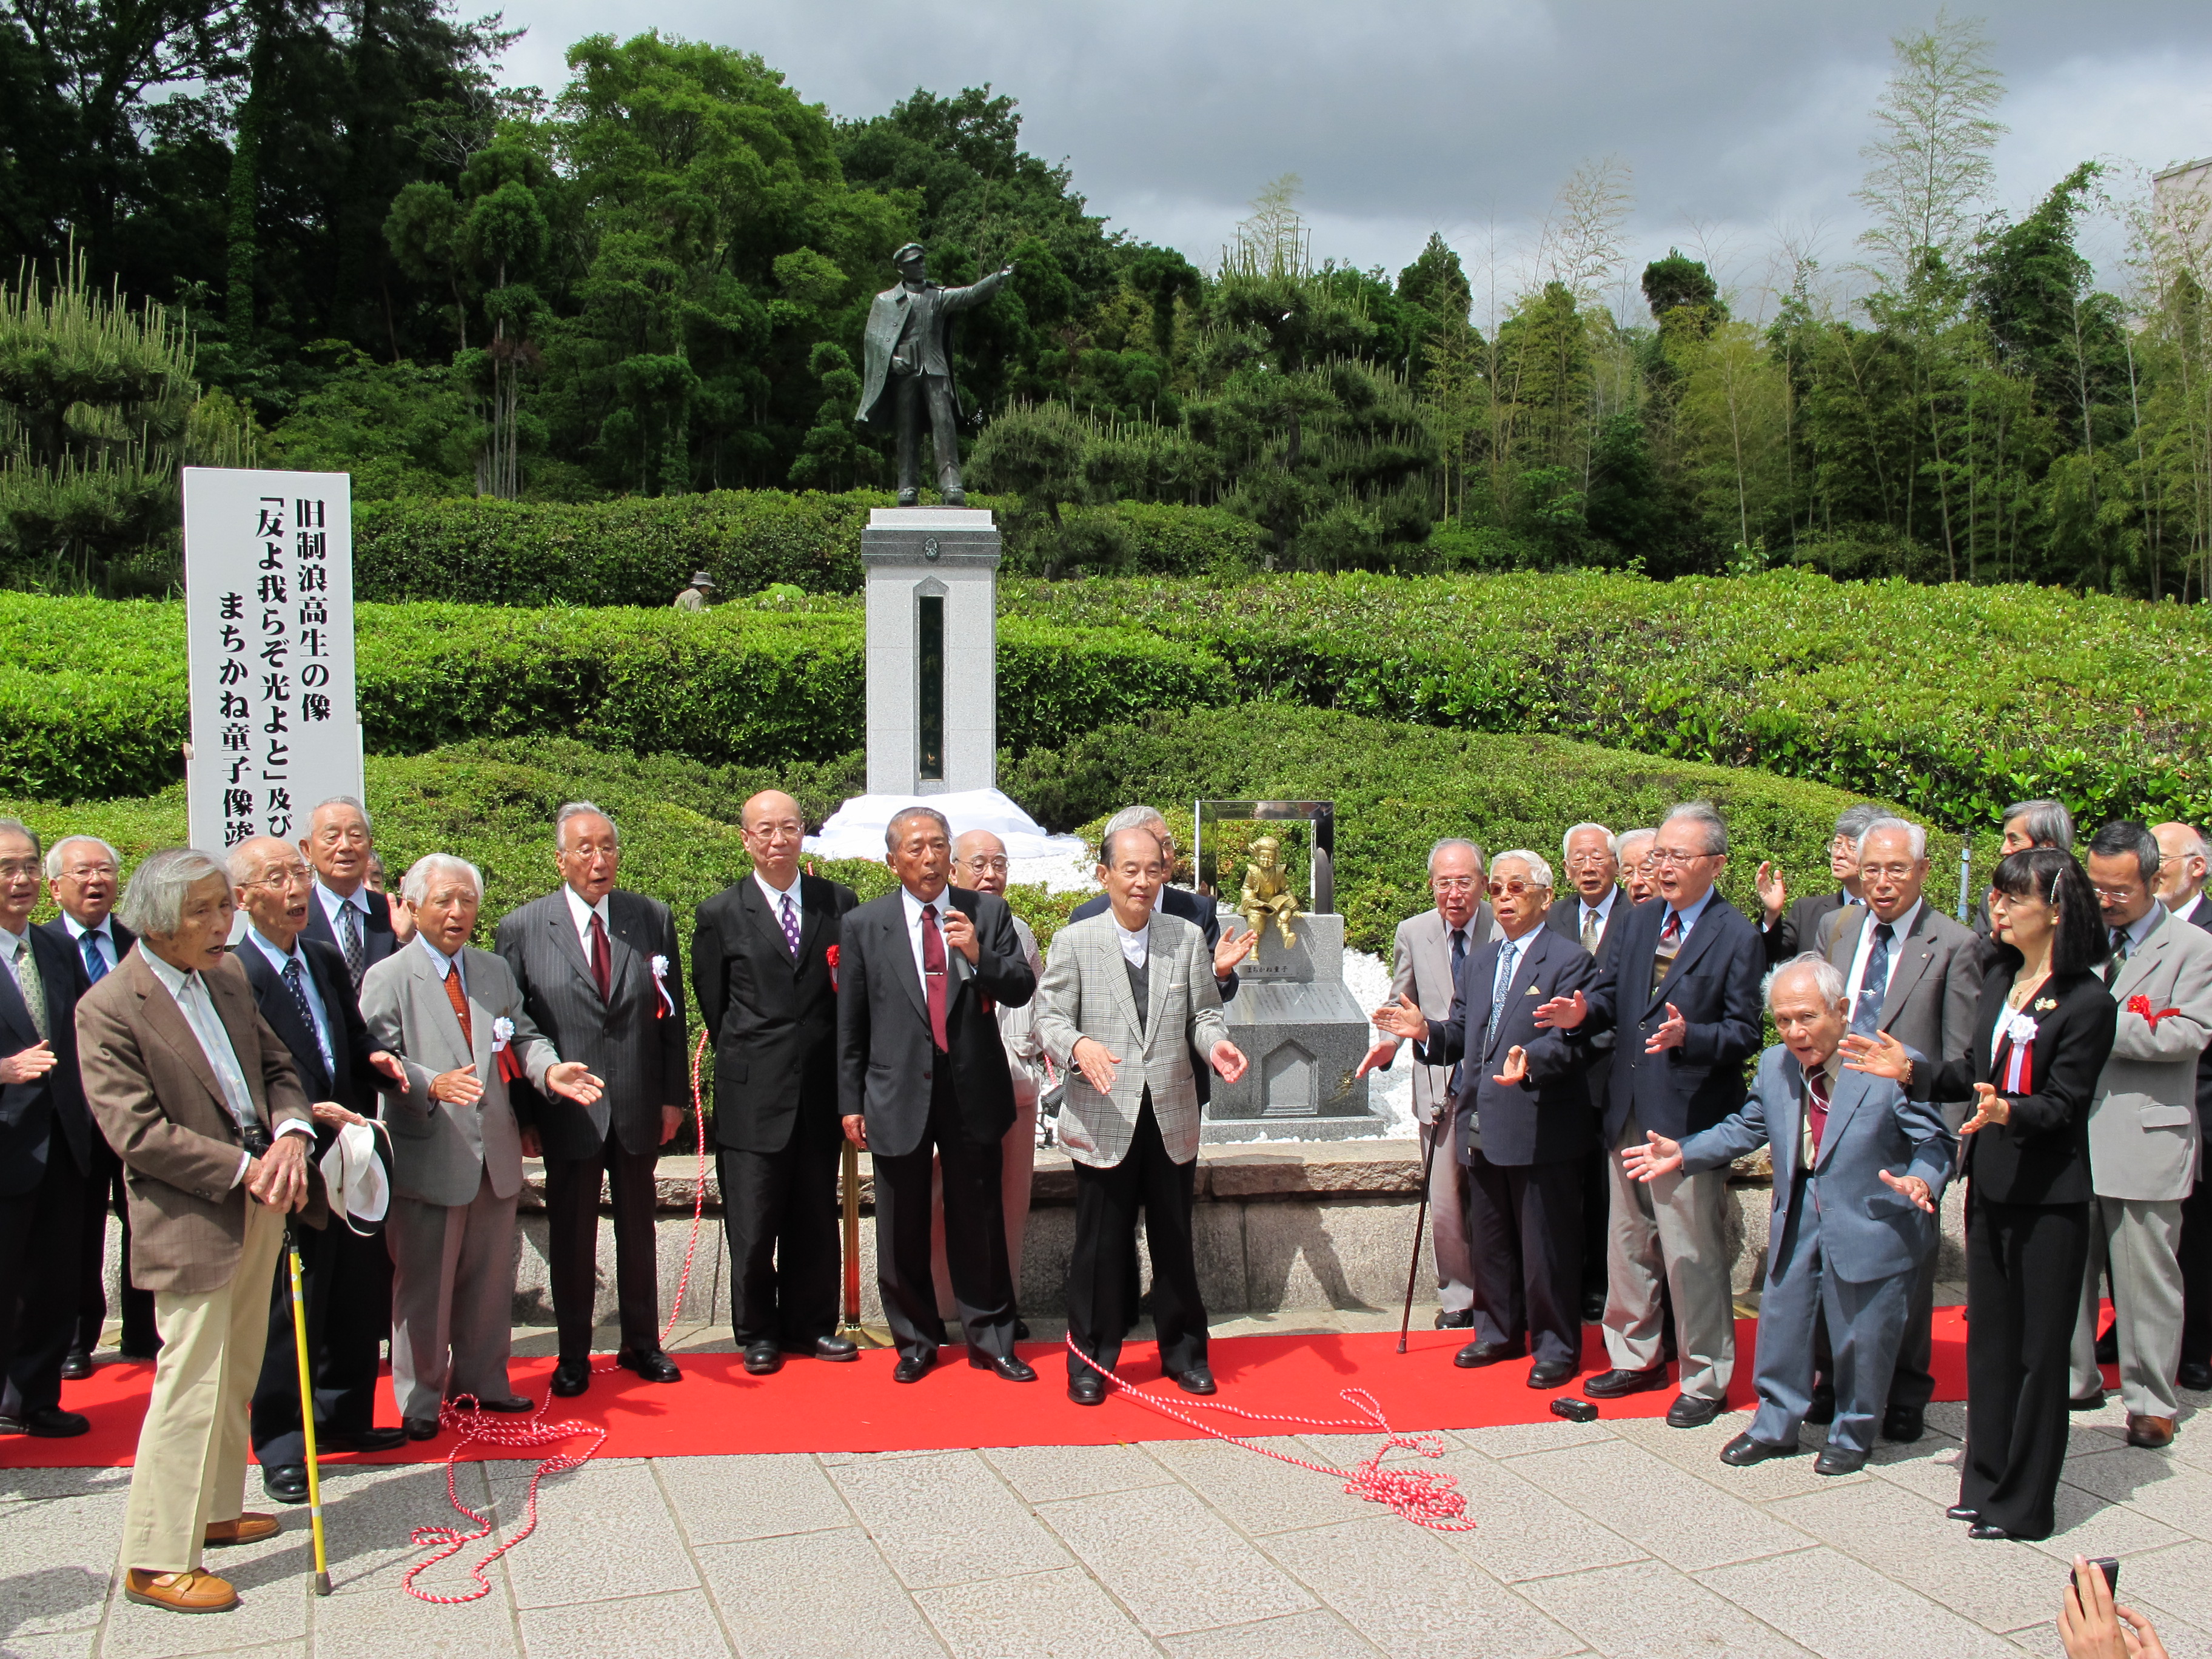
x,y
637,551
1955,700
91,696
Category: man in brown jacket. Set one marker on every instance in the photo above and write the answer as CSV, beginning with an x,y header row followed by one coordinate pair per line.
x,y
199,1098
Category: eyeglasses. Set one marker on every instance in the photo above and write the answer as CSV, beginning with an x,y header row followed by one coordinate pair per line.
x,y
789,829
2115,895
278,880
1666,857
1575,860
985,866
1894,871
19,867
1454,883
87,872
1501,888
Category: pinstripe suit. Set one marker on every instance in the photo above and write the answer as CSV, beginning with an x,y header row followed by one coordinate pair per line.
x,y
634,1044
1138,1143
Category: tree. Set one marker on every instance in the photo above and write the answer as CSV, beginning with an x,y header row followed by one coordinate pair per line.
x,y
1931,167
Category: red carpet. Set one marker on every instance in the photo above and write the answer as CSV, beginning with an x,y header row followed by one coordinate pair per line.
x,y
809,1406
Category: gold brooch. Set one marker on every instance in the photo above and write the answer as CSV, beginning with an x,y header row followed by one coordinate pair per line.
x,y
2044,1004
1535,990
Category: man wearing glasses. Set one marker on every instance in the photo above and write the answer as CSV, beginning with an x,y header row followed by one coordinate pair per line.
x,y
1682,993
1592,919
2181,867
346,913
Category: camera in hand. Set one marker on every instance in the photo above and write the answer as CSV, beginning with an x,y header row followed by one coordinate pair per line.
x,y
2109,1567
256,1140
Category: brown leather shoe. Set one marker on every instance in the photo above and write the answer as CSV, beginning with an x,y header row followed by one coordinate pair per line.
x,y
179,1592
248,1528
2152,1433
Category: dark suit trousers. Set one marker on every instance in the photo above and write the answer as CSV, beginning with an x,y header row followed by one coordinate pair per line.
x,y
1099,1313
2024,1267
779,1214
39,1259
1524,1222
348,1280
572,1247
926,397
2195,1254
975,1235
104,1191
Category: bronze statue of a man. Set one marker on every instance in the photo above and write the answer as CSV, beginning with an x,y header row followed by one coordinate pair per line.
x,y
909,365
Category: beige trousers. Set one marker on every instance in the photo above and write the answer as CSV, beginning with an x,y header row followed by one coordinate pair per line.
x,y
1672,1230
190,1468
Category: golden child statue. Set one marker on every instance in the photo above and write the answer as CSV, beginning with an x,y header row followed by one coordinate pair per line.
x,y
1267,895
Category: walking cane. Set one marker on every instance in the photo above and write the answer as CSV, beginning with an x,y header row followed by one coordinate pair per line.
x,y
1420,1226
306,1406
851,1330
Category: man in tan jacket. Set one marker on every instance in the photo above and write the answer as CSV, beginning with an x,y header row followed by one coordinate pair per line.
x,y
200,1100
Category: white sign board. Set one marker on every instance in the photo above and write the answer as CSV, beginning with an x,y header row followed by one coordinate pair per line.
x,y
268,615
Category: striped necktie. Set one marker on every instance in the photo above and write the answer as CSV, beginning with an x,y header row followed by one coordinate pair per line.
x,y
1669,947
95,959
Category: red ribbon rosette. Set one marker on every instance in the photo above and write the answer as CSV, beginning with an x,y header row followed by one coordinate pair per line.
x,y
2140,1006
829,956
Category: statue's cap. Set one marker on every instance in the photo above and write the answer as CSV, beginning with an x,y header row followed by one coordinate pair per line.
x,y
911,248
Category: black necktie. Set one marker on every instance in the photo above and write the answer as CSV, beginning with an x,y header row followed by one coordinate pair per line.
x,y
1866,1017
1459,952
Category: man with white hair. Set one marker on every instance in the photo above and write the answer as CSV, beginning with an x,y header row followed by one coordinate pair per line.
x,y
456,1019
347,914
1638,874
1858,1171
1592,918
2182,858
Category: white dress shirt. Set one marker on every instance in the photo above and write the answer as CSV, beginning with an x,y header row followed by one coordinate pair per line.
x,y
913,931
777,896
582,914
446,963
1135,947
277,959
190,993
334,905
2188,912
1855,982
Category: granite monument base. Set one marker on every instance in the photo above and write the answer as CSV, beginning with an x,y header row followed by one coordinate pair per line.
x,y
1303,1033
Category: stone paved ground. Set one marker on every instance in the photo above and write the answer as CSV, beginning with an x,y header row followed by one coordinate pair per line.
x,y
1616,1538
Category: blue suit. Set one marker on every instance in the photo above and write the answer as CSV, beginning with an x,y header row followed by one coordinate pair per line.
x,y
1838,1240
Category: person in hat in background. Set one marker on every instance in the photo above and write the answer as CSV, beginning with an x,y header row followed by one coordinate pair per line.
x,y
694,598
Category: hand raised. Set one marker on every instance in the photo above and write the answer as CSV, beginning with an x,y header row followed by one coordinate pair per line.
x,y
1672,1032
1989,1107
1232,949
389,1067
960,934
1912,1186
1516,1067
27,1065
459,1087
573,1080
1227,1061
1565,1013
1879,1055
1095,1062
1773,892
1403,1020
1378,1058
1656,1157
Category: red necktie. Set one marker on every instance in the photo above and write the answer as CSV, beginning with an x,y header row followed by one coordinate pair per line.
x,y
1816,1104
453,994
603,968
932,977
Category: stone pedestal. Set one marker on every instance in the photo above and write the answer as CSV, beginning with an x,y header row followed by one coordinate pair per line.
x,y
1304,1035
933,648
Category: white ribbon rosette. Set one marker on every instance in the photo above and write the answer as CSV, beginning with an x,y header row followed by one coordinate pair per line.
x,y
660,985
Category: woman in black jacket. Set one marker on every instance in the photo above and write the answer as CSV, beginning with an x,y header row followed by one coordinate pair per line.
x,y
2041,1037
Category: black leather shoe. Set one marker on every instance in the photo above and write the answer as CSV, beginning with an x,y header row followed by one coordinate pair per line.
x,y
1962,1512
834,1348
1840,1460
1021,1330
1455,1319
1743,1451
2108,1347
513,1403
287,1483
652,1367
2087,1402
1593,1307
1196,1380
1823,1408
140,1356
1089,1389
1983,1530
1009,1366
2197,1379
367,1440
1903,1423
1551,1373
1688,1413
1612,1385
76,1366
419,1428
1487,1354
763,1358
571,1377
47,1423
912,1368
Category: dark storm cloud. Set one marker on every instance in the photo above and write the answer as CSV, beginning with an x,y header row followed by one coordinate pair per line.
x,y
1735,117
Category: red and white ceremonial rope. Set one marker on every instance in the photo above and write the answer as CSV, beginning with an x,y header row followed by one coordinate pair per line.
x,y
477,1427
1425,1496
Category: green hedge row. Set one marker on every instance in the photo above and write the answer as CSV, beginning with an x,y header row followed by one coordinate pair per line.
x,y
92,692
1954,700
636,552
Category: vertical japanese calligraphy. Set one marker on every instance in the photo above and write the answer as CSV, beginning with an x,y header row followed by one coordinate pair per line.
x,y
269,590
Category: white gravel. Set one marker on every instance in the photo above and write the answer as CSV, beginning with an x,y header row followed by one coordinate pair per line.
x,y
1389,1094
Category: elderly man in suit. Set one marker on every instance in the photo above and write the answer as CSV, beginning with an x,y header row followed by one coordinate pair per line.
x,y
592,962
763,953
301,989
347,914
1858,1171
1593,857
1682,992
1127,999
456,1019
46,1154
1426,958
2182,857
920,974
1911,971
200,1098
1638,875
1525,1129
83,877
2144,1137
1788,932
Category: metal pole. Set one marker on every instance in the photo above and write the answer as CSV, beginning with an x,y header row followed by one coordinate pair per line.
x,y
1420,1227
1965,868
308,1407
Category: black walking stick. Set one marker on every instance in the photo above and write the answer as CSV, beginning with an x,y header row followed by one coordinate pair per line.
x,y
1420,1225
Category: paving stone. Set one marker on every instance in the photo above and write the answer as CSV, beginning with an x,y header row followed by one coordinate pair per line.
x,y
1172,1562
2176,1493
717,1500
1410,1594
814,1596
646,1627
1843,1609
1649,1501
58,1553
63,1483
65,1645
1518,1439
1294,1636
2178,1580
1928,1468
1259,1494
374,1619
947,1519
370,1512
1522,1531
603,1530
1698,1451
1061,1614
1044,1474
1649,1611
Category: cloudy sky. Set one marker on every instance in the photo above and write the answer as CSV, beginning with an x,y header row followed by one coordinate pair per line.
x,y
1740,121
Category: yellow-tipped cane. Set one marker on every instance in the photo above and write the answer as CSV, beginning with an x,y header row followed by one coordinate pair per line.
x,y
853,1330
307,1409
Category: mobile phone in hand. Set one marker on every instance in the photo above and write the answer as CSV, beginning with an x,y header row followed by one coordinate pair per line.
x,y
2109,1567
